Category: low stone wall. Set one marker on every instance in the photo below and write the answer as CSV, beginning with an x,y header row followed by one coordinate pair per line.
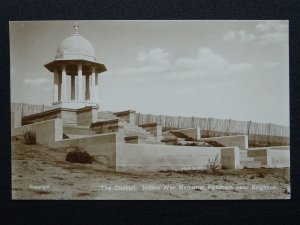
x,y
278,157
143,157
102,147
240,141
47,132
83,116
230,158
42,116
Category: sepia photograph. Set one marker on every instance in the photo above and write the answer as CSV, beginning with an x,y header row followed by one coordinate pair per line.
x,y
150,110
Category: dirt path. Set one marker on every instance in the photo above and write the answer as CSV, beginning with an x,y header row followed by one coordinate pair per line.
x,y
40,173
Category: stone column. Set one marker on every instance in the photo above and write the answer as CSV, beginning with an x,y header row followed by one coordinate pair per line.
x,y
63,83
93,84
79,83
55,86
87,87
59,85
72,87
96,87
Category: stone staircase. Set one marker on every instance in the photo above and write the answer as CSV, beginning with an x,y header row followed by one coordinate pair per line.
x,y
245,161
174,137
248,162
170,138
130,130
134,130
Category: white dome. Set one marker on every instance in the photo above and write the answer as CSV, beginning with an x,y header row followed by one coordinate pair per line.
x,y
76,47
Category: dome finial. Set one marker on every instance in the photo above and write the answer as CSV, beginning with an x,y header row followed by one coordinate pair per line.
x,y
76,27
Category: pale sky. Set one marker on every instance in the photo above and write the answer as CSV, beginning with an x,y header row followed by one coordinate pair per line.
x,y
223,69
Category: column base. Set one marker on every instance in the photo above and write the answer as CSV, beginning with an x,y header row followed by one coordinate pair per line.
x,y
74,104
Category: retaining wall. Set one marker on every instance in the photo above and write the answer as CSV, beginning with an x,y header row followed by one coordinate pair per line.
x,y
103,147
144,157
47,132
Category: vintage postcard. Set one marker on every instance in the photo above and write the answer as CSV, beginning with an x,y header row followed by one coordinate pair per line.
x,y
155,110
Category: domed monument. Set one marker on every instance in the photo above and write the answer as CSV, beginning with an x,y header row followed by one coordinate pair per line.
x,y
75,58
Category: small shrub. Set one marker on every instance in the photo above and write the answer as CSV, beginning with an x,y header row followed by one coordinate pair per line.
x,y
78,156
276,163
29,137
213,164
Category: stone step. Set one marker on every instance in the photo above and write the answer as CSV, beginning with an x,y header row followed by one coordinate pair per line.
x,y
105,115
136,130
75,136
152,138
132,126
250,164
136,134
150,141
143,140
248,159
168,136
243,153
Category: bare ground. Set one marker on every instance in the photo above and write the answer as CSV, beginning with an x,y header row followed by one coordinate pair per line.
x,y
42,173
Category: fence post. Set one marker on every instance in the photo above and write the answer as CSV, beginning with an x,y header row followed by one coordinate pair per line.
x,y
269,137
249,125
228,125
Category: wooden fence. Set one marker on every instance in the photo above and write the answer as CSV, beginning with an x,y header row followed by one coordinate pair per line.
x,y
259,133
